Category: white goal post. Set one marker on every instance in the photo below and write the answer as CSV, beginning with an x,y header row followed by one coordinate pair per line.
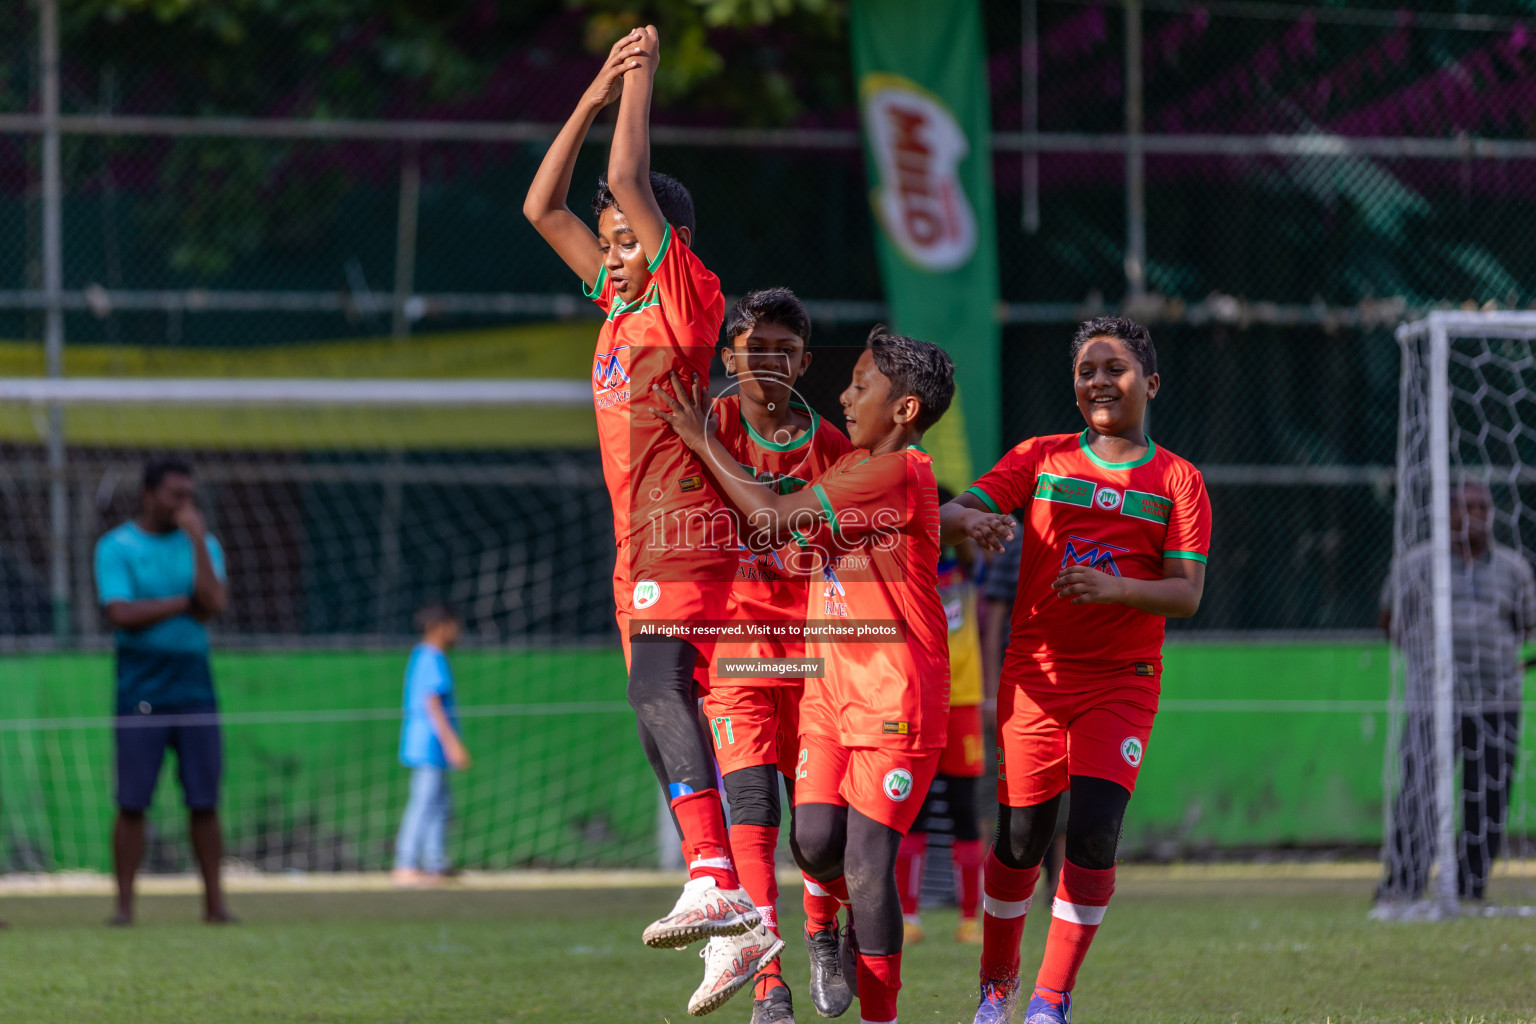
x,y
1467,413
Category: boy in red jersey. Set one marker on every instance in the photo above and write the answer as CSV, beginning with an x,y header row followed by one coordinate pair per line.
x,y
1116,537
772,434
873,727
663,316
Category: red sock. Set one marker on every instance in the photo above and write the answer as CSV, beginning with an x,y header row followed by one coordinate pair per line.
x,y
706,850
909,871
766,980
967,857
879,981
1075,915
752,849
822,900
1009,891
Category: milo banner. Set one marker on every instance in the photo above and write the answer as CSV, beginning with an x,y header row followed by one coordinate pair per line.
x,y
922,78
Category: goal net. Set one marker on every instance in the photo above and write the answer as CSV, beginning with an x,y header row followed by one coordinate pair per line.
x,y
1461,603
342,506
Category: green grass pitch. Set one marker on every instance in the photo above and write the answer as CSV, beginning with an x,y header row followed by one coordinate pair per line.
x,y
1170,950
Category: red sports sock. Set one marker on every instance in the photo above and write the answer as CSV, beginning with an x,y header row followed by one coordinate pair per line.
x,y
752,849
879,981
967,857
706,850
822,900
766,980
1075,915
1009,891
909,871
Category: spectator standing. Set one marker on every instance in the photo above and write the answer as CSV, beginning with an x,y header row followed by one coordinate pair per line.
x,y
159,579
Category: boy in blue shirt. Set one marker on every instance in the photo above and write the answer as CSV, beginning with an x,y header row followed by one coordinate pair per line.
x,y
159,578
429,746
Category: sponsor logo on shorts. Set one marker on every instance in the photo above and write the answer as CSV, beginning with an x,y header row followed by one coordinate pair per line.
x,y
1130,749
692,483
897,784
647,593
1145,668
1107,499
898,728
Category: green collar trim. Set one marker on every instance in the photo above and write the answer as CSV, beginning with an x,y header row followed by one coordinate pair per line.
x,y
596,290
666,243
800,442
1082,439
918,447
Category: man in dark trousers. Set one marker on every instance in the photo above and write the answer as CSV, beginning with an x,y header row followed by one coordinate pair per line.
x,y
159,578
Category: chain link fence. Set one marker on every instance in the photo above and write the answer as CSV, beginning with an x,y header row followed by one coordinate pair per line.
x,y
1308,177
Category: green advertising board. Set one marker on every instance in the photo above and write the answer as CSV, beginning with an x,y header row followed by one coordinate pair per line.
x,y
921,70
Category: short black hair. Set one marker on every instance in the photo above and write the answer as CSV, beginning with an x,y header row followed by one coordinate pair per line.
x,y
768,306
430,616
917,368
673,199
156,470
1136,337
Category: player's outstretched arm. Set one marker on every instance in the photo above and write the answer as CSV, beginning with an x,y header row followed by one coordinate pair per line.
x,y
966,516
1175,596
545,206
629,158
773,516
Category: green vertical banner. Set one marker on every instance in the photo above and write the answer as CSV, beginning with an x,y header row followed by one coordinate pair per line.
x,y
922,78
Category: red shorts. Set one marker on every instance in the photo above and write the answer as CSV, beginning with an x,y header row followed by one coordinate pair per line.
x,y
1044,736
754,725
886,784
963,755
635,603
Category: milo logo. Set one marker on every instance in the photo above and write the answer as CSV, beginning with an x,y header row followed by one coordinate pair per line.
x,y
917,147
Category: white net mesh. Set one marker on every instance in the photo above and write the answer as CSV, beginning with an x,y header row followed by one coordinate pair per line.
x,y
342,507
1462,606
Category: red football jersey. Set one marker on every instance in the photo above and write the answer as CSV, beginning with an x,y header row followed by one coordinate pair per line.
x,y
882,544
661,495
1121,518
765,588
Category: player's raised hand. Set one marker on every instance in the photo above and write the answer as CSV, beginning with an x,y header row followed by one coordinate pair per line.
x,y
624,56
988,529
1082,585
685,411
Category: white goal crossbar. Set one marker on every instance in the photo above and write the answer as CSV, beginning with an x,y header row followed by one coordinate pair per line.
x,y
309,391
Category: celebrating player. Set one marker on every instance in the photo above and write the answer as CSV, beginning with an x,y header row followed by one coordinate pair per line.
x,y
774,436
1116,539
872,729
663,316
952,797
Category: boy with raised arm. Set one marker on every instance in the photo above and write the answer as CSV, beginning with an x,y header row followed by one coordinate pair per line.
x,y
770,432
872,729
663,312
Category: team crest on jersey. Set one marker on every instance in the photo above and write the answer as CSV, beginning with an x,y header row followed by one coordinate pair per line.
x,y
1092,553
897,784
1107,499
647,593
607,373
1130,749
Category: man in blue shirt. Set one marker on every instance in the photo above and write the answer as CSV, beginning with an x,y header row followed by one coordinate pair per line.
x,y
159,577
429,746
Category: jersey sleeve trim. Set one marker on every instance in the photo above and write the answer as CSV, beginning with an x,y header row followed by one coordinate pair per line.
x,y
800,539
1082,439
1193,556
596,291
985,497
666,243
826,506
